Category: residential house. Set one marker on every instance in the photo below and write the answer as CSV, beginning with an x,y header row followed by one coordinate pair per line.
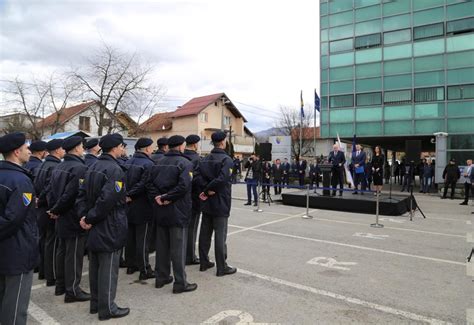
x,y
203,116
17,122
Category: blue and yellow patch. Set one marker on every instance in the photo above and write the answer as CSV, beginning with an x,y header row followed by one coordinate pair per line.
x,y
81,181
191,174
27,197
231,170
118,186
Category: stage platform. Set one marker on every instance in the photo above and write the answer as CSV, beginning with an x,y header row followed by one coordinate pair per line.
x,y
396,206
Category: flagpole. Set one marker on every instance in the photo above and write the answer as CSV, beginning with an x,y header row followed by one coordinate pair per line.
x,y
314,134
301,137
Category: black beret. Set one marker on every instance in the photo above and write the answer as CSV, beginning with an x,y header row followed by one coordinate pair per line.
x,y
38,146
72,142
54,144
12,141
91,143
175,141
110,141
192,138
218,136
143,142
162,141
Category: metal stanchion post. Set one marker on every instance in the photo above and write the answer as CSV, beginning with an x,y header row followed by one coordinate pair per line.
x,y
258,209
377,202
307,215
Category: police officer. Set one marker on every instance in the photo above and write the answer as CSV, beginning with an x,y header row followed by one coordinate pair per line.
x,y
191,153
62,193
139,210
162,149
101,203
93,151
38,153
18,230
169,186
216,170
48,241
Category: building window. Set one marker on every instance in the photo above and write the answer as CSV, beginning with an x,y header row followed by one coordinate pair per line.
x,y
461,92
203,117
369,99
227,120
368,41
341,101
398,36
397,97
460,26
342,45
431,94
85,123
428,31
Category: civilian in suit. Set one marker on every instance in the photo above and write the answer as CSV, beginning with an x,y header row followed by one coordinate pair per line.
x,y
278,176
301,168
286,172
266,179
358,160
337,159
314,173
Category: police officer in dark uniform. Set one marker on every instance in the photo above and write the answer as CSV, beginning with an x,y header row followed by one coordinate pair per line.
x,y
216,173
191,153
139,210
162,149
38,153
93,151
48,240
169,186
62,193
18,230
101,203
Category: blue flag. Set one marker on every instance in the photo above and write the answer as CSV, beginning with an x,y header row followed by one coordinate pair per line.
x,y
317,103
302,104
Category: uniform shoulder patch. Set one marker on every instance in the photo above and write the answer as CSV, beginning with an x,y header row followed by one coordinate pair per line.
x,y
81,181
118,186
27,198
231,170
191,174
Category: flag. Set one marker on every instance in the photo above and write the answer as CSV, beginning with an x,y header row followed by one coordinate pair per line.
x,y
354,143
302,105
317,103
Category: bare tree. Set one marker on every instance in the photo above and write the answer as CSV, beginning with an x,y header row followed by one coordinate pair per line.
x,y
61,90
114,79
289,123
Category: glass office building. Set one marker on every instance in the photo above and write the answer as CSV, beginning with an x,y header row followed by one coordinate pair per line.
x,y
393,70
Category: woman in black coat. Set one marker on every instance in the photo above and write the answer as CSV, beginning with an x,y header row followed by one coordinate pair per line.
x,y
378,161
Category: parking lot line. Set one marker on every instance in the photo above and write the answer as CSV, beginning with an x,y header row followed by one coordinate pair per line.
x,y
433,259
351,300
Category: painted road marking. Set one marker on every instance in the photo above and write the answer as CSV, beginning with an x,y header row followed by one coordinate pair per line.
x,y
355,301
40,315
331,263
369,235
392,220
433,259
244,318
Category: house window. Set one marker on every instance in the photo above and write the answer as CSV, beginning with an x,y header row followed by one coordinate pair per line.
x,y
85,123
227,120
203,117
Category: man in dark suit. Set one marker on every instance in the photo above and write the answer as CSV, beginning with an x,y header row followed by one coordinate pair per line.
x,y
286,172
358,160
337,159
314,174
277,172
301,167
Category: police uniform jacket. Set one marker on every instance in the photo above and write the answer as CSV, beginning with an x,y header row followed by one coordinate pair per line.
x,y
62,193
194,157
216,171
102,201
18,229
172,179
43,176
90,159
156,156
139,210
32,164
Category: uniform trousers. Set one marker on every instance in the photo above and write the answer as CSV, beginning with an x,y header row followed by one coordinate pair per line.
x,y
69,261
192,235
48,245
15,293
137,248
103,276
218,225
171,248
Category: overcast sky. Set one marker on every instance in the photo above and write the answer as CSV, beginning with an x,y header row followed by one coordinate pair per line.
x,y
260,53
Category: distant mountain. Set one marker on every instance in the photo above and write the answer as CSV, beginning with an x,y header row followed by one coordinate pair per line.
x,y
263,136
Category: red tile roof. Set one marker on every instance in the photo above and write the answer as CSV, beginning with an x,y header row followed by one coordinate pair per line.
x,y
308,133
64,114
196,105
156,122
